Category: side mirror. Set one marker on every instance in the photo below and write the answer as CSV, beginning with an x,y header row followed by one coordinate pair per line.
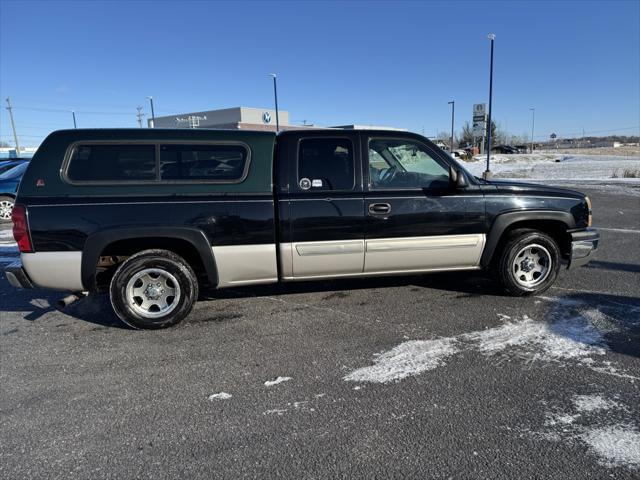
x,y
456,179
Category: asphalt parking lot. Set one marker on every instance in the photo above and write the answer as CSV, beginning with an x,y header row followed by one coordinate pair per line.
x,y
437,376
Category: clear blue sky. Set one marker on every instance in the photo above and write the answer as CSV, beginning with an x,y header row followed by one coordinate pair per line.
x,y
383,63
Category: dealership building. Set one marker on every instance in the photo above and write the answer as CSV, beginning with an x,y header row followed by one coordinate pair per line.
x,y
237,118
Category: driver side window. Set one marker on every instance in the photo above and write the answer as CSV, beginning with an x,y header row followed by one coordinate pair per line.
x,y
400,163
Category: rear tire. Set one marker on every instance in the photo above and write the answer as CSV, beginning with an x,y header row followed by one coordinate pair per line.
x,y
153,289
6,207
528,263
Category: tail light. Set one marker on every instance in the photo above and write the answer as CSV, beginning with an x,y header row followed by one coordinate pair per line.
x,y
21,228
590,218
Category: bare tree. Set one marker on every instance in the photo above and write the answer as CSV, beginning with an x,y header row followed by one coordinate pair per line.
x,y
466,137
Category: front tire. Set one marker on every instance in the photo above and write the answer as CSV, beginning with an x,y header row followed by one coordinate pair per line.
x,y
6,207
153,289
528,264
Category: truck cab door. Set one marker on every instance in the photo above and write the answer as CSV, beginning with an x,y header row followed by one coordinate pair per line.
x,y
416,220
322,210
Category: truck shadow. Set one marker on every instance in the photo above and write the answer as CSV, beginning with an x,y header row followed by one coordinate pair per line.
x,y
607,321
96,308
464,283
37,304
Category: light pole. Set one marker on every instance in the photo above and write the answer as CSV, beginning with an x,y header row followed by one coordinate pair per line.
x,y
13,126
533,123
453,111
73,114
487,174
275,96
153,115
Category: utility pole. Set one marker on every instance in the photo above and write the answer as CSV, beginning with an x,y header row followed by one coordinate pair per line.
x,y
153,114
453,110
13,126
487,174
533,123
275,95
73,113
139,115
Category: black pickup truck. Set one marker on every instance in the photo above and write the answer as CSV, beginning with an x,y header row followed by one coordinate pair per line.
x,y
152,215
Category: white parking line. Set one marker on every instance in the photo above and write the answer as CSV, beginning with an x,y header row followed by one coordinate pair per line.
x,y
619,230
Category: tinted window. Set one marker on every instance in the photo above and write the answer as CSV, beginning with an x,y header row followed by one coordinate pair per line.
x,y
225,163
12,170
326,164
397,163
103,163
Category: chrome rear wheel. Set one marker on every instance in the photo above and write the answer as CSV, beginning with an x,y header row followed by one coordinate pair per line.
x,y
153,293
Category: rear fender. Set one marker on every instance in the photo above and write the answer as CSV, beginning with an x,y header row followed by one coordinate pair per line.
x,y
96,243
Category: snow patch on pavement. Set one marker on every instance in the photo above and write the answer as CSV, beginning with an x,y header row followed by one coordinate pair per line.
x,y
567,339
6,235
278,380
593,403
602,424
574,331
405,360
220,396
617,445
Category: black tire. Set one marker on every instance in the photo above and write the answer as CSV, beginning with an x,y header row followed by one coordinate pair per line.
x,y
512,273
6,205
169,268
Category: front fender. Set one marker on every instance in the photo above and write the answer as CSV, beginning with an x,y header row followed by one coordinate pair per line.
x,y
503,221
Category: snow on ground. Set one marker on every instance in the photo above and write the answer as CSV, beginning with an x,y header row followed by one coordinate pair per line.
x,y
593,403
552,166
278,380
6,236
220,396
407,359
572,332
602,424
617,445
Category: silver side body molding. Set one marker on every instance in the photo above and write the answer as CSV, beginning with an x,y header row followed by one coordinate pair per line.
x,y
56,270
245,264
389,256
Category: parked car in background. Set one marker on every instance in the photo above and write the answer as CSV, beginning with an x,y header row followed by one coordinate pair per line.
x,y
505,149
11,173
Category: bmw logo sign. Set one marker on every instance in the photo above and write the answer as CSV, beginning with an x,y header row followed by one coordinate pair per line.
x,y
266,117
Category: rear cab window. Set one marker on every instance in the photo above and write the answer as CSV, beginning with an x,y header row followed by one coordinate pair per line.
x,y
326,164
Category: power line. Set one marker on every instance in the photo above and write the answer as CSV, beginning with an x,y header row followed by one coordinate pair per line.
x,y
139,115
59,110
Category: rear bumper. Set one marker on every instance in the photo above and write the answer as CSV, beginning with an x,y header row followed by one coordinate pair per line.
x,y
17,276
583,245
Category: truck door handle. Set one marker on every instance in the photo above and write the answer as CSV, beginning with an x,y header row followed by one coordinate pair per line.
x,y
379,208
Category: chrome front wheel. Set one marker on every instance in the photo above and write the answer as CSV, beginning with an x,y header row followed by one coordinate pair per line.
x,y
531,265
527,263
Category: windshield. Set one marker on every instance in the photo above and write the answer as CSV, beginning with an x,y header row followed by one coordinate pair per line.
x,y
13,171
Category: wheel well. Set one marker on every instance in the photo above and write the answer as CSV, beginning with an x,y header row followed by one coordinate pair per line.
x,y
117,252
554,228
